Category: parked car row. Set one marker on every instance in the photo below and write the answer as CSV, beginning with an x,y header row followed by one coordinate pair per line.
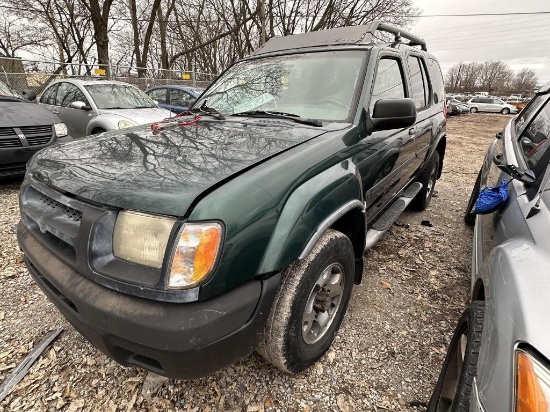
x,y
72,108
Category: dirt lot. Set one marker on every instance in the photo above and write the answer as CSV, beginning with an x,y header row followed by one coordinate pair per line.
x,y
386,357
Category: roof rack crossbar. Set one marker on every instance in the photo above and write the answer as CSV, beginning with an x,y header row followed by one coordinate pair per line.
x,y
377,25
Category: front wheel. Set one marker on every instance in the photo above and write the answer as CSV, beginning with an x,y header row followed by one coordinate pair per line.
x,y
310,305
428,178
454,386
505,111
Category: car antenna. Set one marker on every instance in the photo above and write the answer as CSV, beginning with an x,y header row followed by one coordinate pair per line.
x,y
536,208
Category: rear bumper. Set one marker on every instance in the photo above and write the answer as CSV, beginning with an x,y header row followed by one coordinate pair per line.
x,y
178,340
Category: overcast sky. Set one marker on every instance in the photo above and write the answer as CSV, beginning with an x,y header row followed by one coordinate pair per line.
x,y
519,40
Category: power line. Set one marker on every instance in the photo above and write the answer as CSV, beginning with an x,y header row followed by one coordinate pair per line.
x,y
544,32
483,14
489,25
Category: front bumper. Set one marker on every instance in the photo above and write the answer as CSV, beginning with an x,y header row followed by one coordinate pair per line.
x,y
178,340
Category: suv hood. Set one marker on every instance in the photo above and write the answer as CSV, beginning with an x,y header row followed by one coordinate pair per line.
x,y
162,171
22,113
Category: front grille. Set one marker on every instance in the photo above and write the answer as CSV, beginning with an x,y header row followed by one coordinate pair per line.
x,y
34,135
66,211
8,138
37,135
7,131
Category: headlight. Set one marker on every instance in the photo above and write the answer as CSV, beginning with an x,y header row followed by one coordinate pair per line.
x,y
125,123
141,238
60,129
195,254
532,384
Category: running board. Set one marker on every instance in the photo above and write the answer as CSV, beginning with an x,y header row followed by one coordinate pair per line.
x,y
385,221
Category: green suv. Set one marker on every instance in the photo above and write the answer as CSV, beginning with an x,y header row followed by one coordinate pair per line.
x,y
241,225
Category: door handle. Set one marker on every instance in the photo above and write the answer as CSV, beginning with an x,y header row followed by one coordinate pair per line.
x,y
412,133
55,111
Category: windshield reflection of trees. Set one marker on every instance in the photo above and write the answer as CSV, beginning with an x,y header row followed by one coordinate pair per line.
x,y
177,158
242,89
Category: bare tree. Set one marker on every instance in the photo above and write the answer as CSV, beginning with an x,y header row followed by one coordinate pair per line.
x,y
17,34
99,14
525,80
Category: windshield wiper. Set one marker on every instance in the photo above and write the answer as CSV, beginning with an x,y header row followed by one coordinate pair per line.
x,y
208,110
282,115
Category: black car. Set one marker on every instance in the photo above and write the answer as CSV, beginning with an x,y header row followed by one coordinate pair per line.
x,y
25,128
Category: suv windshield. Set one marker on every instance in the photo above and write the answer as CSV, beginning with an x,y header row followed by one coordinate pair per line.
x,y
313,85
118,96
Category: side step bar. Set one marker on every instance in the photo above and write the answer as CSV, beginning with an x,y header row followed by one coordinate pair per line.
x,y
385,221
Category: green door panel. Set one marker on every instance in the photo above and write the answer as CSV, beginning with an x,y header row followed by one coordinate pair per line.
x,y
306,209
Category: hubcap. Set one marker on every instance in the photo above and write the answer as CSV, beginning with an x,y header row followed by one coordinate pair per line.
x,y
323,303
452,375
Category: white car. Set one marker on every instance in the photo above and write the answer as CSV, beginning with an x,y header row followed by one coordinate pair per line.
x,y
95,106
491,105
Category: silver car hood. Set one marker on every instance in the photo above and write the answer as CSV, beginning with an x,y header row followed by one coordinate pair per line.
x,y
139,116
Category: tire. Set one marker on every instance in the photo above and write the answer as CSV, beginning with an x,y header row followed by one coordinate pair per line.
x,y
454,386
505,111
473,110
469,216
428,178
98,131
294,338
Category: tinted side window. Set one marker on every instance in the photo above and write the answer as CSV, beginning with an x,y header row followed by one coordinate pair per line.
x,y
48,97
534,140
68,93
529,110
418,86
179,97
158,94
438,84
388,83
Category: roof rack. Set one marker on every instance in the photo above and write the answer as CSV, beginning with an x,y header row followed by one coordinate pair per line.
x,y
349,35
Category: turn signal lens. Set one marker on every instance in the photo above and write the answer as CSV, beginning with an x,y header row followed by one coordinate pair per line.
x,y
195,254
141,238
533,384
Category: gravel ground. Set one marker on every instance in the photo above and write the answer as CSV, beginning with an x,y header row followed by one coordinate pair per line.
x,y
386,357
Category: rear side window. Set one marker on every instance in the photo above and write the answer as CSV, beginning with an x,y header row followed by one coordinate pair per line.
x,y
388,83
158,94
438,84
48,97
419,82
534,140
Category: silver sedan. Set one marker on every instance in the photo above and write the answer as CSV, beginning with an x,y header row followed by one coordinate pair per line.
x,y
95,106
499,355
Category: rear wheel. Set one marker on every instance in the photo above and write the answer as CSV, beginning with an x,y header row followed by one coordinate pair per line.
x,y
454,386
505,111
310,305
98,131
473,109
470,216
428,179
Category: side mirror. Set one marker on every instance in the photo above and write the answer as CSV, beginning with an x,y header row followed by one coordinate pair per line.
x,y
29,95
526,176
79,105
390,114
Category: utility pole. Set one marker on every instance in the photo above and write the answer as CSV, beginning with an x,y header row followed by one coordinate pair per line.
x,y
261,12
